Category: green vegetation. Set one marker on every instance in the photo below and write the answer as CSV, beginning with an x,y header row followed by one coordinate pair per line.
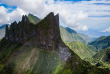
x,y
7,48
101,43
69,35
31,58
33,19
48,62
102,58
82,50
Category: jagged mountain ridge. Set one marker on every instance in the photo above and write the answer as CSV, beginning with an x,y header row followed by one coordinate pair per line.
x,y
36,54
67,34
25,30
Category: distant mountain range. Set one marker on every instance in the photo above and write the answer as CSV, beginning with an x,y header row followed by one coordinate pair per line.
x,y
29,48
2,31
3,26
102,57
101,42
68,35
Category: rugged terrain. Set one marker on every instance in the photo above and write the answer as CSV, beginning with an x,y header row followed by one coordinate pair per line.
x,y
68,35
82,50
38,49
102,58
101,42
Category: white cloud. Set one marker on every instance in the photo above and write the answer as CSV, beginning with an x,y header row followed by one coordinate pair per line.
x,y
106,30
3,15
70,13
10,17
80,27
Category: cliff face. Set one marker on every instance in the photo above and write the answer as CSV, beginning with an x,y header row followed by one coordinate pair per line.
x,y
46,38
19,32
31,58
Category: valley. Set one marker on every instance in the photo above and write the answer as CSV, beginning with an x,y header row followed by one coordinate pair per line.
x,y
34,46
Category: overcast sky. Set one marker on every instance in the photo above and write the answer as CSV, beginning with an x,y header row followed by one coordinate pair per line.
x,y
91,17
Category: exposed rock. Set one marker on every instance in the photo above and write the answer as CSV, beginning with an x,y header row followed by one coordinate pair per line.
x,y
19,32
46,38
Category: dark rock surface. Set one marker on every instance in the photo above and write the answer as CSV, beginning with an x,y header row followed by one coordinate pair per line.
x,y
24,30
19,32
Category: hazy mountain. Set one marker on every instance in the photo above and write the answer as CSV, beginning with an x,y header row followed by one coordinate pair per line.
x,y
101,42
3,26
84,51
39,49
69,35
2,30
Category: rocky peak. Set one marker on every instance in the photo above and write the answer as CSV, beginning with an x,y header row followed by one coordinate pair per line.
x,y
24,18
46,31
19,32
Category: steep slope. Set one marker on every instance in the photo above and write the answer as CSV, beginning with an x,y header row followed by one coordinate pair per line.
x,y
69,35
84,51
102,58
33,19
38,49
101,43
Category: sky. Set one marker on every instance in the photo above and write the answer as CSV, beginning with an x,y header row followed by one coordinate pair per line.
x,y
90,17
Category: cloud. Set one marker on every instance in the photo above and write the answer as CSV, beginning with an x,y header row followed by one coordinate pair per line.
x,y
71,13
10,17
106,30
80,27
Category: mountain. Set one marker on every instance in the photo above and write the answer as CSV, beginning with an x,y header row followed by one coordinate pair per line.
x,y
3,26
82,50
101,42
102,58
69,35
70,30
2,33
2,30
38,49
33,19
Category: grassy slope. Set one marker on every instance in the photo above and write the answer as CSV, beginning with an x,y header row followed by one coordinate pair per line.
x,y
68,37
102,57
30,59
101,43
84,51
33,19
7,47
